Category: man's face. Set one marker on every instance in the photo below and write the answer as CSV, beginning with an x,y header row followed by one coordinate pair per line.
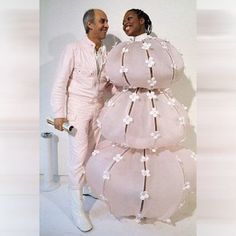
x,y
100,25
132,25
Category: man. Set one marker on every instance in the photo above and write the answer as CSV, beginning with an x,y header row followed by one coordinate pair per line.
x,y
77,97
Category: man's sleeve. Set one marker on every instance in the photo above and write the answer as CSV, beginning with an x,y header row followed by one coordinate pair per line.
x,y
59,91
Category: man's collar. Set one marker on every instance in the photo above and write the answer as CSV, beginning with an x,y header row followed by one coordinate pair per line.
x,y
89,42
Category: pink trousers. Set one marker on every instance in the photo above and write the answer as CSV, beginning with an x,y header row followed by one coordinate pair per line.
x,y
82,114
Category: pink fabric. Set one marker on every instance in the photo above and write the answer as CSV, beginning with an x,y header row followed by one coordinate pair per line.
x,y
125,171
171,171
171,122
83,116
78,94
77,70
168,64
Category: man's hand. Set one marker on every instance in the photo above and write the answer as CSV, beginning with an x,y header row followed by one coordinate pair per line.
x,y
58,122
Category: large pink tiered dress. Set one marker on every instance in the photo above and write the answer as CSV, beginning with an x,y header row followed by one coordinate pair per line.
x,y
141,169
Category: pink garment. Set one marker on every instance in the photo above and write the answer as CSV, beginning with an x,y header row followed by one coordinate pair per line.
x,y
78,94
141,169
147,114
78,75
144,119
83,116
149,62
142,183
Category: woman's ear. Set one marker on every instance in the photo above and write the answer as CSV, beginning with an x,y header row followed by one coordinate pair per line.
x,y
142,21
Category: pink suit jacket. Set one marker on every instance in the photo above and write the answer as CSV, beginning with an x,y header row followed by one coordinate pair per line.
x,y
78,76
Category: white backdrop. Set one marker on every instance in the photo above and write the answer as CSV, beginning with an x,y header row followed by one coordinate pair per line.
x,y
61,23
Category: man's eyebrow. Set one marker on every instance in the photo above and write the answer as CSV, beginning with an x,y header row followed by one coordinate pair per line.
x,y
104,19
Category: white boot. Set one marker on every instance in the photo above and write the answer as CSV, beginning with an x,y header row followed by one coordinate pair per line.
x,y
80,218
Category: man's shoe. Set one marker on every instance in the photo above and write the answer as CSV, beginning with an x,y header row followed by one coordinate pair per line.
x,y
80,218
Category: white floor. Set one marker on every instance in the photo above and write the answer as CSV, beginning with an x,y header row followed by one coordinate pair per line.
x,y
55,219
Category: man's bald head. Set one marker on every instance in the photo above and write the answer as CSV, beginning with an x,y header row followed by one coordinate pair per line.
x,y
89,17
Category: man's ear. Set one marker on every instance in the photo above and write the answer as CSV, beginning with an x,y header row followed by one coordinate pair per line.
x,y
90,25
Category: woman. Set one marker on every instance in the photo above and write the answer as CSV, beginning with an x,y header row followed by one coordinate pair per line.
x,y
136,22
143,171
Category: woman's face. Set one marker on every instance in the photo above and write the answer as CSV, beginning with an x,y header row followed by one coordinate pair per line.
x,y
132,25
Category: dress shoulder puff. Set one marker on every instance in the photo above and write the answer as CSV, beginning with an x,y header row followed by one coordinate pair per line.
x,y
168,45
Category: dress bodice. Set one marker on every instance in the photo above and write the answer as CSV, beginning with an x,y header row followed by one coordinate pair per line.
x,y
151,63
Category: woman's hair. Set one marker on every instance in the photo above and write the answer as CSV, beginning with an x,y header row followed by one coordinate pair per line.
x,y
148,22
